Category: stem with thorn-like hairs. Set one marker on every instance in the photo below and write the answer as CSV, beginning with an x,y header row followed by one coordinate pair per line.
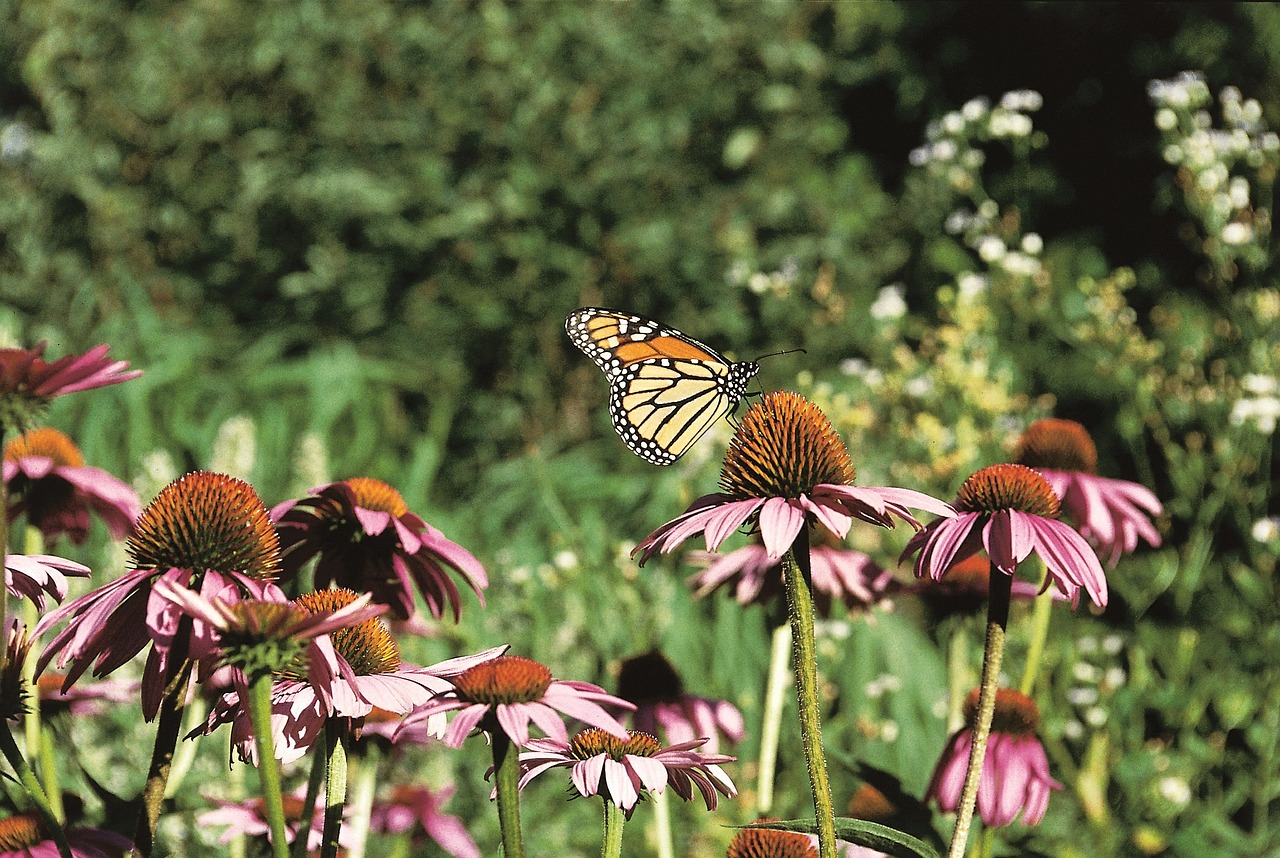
x,y
993,655
506,778
795,571
614,819
168,727
335,786
268,767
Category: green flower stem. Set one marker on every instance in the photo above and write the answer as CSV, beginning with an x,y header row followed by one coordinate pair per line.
x,y
364,784
335,786
4,553
795,569
238,847
614,819
958,675
319,764
1040,615
29,781
662,825
34,544
506,778
49,775
993,655
168,727
268,767
771,723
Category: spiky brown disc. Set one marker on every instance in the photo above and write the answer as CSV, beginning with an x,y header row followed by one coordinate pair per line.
x,y
377,495
1004,487
593,741
769,843
1059,445
46,442
784,447
1016,713
204,521
367,646
505,679
20,831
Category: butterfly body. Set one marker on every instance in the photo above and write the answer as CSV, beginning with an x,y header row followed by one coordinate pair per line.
x,y
665,387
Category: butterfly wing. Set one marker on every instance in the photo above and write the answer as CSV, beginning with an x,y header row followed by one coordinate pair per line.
x,y
665,388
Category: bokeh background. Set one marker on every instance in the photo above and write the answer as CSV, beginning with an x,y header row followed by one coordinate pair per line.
x,y
341,239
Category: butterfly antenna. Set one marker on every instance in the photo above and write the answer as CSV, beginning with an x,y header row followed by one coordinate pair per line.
x,y
773,354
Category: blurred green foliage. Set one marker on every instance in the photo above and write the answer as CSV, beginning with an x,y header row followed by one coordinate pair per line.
x,y
360,225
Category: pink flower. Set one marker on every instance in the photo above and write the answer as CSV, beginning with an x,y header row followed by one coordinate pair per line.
x,y
1111,514
621,769
248,818
25,372
652,684
366,539
508,694
410,808
85,699
203,532
31,576
1010,511
786,467
48,480
838,575
23,836
1015,772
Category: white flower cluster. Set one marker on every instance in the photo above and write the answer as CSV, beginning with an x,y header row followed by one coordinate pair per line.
x,y
15,141
1093,683
1213,157
1259,405
952,155
777,283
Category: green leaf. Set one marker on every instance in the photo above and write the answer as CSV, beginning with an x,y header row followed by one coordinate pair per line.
x,y
862,833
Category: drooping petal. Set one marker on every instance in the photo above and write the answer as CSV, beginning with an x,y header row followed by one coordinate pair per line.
x,y
780,523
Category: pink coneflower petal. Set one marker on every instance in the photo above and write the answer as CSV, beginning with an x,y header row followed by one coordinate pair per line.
x,y
780,523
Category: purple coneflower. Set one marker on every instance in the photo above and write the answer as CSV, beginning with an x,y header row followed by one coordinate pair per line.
x,y
417,808
248,818
663,708
367,539
203,531
771,843
23,836
838,574
32,576
369,673
1015,774
507,694
1111,514
1010,511
49,482
785,467
622,769
28,383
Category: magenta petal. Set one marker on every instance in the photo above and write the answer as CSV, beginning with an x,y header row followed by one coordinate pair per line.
x,y
780,524
548,721
462,724
722,521
513,718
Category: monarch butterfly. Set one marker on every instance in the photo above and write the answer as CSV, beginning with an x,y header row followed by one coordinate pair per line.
x,y
665,387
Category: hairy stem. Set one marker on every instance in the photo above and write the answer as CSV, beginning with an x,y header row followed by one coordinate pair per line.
x,y
335,786
614,819
168,728
993,655
506,767
795,566
268,767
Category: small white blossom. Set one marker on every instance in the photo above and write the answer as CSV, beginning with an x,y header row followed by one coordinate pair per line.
x,y
758,283
1266,530
1020,264
975,108
1175,790
1084,672
889,304
971,285
943,150
990,248
853,366
953,123
1259,385
1082,696
1032,243
1166,119
1095,716
918,156
1073,729
1236,233
565,560
918,387
1113,644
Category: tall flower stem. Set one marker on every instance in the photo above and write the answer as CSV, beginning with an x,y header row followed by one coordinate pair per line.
x,y
771,723
662,825
319,763
614,819
795,569
959,680
9,748
168,728
993,655
506,767
364,784
268,767
1040,615
335,786
33,543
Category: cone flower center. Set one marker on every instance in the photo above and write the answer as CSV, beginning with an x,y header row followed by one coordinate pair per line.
x,y
784,447
649,678
769,843
46,442
1007,487
870,804
367,646
19,832
377,495
593,741
505,679
1016,713
1059,445
206,521
265,620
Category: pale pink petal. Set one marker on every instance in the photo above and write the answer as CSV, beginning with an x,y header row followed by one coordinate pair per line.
x,y
587,774
721,522
618,780
652,773
780,524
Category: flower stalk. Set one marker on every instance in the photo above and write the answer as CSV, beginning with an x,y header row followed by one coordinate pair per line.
x,y
804,660
614,819
771,724
31,783
993,656
335,786
506,768
364,784
168,728
268,767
